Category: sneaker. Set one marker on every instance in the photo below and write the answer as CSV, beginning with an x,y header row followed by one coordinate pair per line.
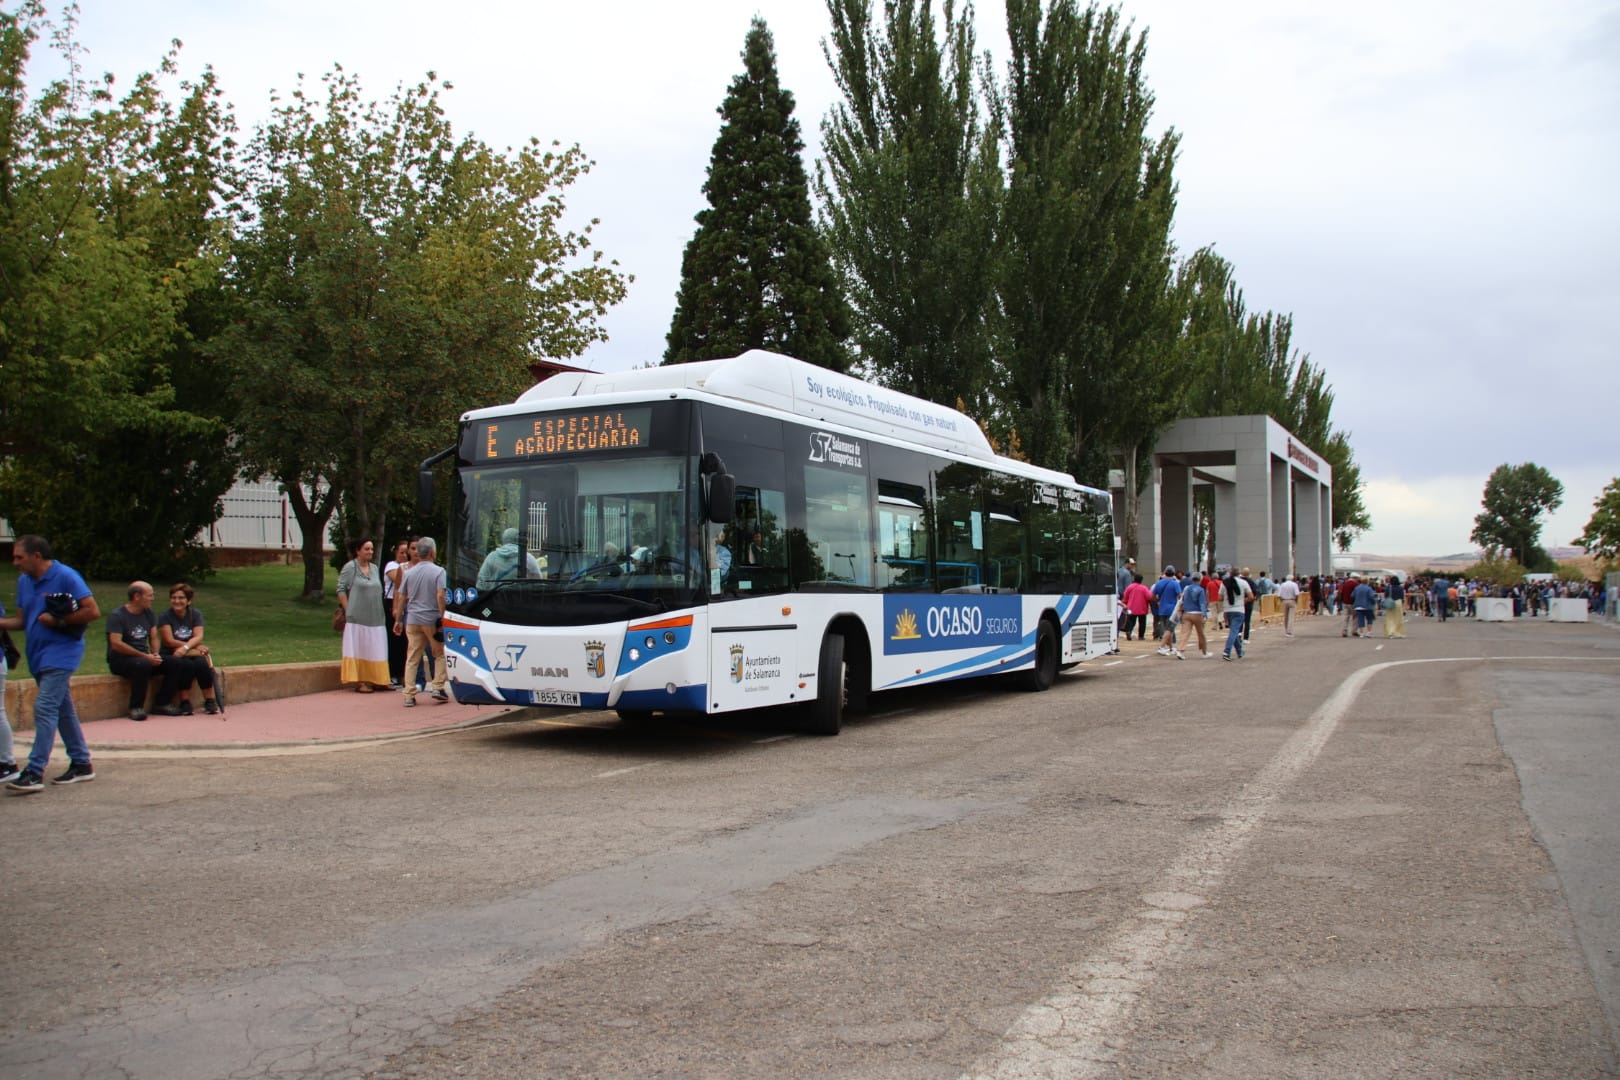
x,y
210,706
9,771
137,714
440,695
27,782
185,707
1164,650
76,772
395,684
410,702
1226,656
167,710
1179,655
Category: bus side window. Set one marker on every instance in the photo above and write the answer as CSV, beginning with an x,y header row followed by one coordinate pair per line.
x,y
756,540
903,538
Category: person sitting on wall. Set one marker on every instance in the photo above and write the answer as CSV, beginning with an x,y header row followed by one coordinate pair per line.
x,y
185,657
132,645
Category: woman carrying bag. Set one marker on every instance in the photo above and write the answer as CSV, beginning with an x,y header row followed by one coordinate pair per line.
x,y
365,634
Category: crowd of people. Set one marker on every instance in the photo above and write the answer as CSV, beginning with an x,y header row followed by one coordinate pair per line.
x,y
1224,597
1189,603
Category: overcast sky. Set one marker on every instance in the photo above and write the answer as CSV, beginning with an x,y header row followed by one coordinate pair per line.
x,y
1429,188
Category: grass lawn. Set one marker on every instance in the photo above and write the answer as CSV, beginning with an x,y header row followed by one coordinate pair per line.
x,y
254,617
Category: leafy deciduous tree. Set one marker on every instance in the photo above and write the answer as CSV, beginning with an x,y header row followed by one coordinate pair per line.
x,y
756,275
1602,534
387,277
1515,498
112,440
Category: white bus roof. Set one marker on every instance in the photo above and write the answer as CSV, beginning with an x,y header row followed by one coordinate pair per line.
x,y
778,382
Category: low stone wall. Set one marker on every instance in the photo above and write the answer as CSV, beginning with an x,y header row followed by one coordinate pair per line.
x,y
106,697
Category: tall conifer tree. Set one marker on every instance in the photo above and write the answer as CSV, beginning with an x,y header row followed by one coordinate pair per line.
x,y
756,275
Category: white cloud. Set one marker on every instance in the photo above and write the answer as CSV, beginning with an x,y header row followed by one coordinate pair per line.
x,y
1434,515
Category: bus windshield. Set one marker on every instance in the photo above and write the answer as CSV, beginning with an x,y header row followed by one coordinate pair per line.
x,y
576,541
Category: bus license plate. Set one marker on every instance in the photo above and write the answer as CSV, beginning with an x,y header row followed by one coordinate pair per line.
x,y
556,697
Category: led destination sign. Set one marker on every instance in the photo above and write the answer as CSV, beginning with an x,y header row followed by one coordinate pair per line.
x,y
566,433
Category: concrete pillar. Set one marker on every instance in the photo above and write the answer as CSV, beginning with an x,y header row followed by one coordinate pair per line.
x,y
1177,522
1225,524
1253,501
1324,495
1148,527
1279,559
1308,524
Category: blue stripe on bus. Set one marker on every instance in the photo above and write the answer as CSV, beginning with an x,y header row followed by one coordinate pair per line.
x,y
997,660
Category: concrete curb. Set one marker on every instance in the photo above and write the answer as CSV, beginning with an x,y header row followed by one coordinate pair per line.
x,y
217,748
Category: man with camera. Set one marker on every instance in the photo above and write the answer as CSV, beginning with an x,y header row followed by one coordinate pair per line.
x,y
54,606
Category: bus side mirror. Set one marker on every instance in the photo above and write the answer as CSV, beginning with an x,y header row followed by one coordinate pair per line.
x,y
424,482
424,494
722,498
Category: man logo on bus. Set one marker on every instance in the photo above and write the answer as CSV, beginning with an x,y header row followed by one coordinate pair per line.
x,y
593,659
736,663
905,627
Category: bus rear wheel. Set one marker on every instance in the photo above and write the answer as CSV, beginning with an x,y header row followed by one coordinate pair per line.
x,y
1044,673
832,688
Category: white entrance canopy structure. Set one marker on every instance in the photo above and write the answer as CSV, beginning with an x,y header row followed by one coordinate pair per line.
x,y
1273,498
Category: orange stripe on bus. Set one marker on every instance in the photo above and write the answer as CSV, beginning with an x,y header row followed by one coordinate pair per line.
x,y
684,620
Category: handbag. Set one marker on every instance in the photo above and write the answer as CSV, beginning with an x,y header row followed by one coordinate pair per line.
x,y
13,657
338,619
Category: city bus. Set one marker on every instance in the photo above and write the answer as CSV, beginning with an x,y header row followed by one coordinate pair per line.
x,y
755,532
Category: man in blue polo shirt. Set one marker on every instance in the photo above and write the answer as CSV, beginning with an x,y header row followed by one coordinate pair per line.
x,y
54,606
1166,591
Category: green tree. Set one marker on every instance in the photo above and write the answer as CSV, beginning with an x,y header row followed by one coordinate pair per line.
x,y
909,185
1516,496
1602,534
111,434
387,276
1085,250
756,275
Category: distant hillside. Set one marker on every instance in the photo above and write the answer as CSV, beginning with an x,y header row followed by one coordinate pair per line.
x,y
1456,561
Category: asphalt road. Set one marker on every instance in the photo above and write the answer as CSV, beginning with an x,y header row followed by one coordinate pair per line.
x,y
1336,858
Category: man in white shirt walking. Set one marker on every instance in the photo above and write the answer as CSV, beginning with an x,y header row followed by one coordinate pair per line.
x,y
1288,593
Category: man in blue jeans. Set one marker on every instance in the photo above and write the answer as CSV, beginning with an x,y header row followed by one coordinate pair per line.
x,y
54,606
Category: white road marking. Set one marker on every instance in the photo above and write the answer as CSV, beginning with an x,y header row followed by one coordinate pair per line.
x,y
1113,663
626,769
771,739
1078,1031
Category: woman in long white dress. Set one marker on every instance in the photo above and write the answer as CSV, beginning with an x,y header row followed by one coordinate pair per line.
x,y
365,633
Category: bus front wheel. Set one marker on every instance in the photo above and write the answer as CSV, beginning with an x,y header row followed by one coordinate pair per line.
x,y
1044,673
832,679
